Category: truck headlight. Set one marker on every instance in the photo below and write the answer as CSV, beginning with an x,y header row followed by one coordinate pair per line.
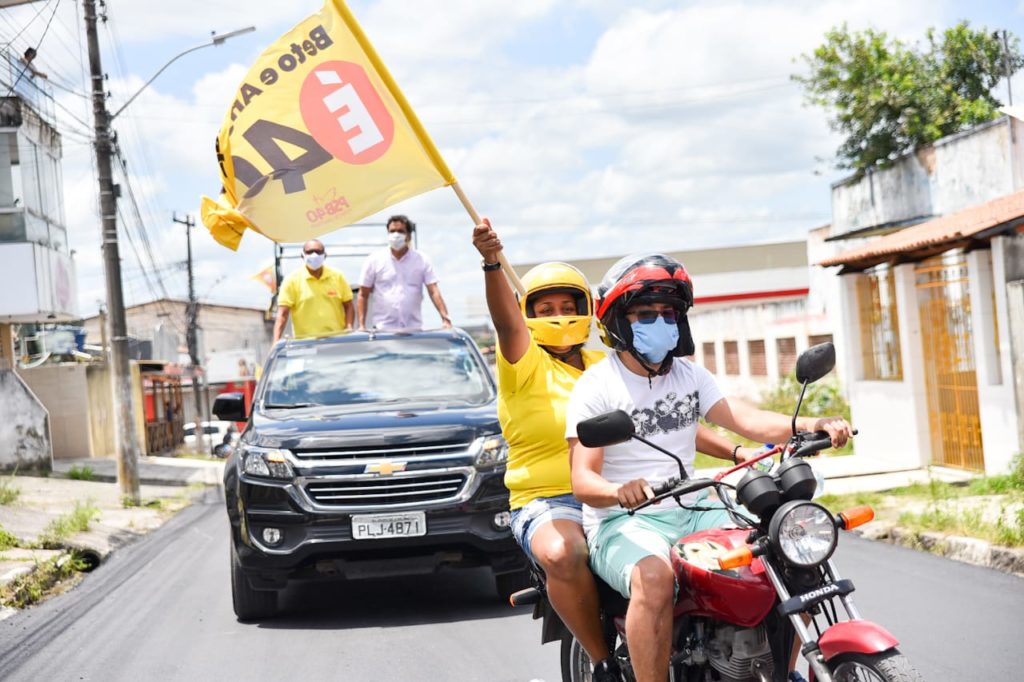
x,y
266,463
491,451
804,533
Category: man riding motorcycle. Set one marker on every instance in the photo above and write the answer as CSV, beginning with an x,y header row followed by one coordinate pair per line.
x,y
642,305
540,356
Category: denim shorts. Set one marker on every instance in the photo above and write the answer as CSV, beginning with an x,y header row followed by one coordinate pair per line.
x,y
531,516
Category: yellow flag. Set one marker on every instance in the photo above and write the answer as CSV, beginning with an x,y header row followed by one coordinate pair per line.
x,y
267,278
318,137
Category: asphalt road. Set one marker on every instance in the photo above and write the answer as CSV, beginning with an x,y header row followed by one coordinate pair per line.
x,y
161,610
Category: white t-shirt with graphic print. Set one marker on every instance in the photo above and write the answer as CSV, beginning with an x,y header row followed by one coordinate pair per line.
x,y
664,411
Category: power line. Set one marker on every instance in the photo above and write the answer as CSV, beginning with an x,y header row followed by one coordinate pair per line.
x,y
30,22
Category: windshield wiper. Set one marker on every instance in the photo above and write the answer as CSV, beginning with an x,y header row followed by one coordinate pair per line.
x,y
288,406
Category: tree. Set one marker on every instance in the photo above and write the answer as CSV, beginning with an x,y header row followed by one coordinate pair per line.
x,y
888,97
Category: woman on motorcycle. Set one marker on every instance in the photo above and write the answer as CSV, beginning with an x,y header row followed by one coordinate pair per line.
x,y
540,356
642,306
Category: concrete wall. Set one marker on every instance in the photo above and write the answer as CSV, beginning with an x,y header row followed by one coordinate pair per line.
x,y
79,401
974,167
24,426
955,173
902,192
62,389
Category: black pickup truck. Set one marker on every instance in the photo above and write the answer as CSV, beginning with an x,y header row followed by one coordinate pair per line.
x,y
367,456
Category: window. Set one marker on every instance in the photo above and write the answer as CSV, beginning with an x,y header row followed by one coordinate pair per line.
x,y
816,339
710,361
879,325
786,351
758,364
732,358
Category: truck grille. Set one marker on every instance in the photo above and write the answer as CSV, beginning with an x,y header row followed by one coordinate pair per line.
x,y
381,451
389,491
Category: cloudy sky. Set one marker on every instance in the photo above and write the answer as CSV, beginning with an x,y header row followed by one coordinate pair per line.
x,y
581,127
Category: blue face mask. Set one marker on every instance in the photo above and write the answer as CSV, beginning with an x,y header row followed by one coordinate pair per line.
x,y
655,340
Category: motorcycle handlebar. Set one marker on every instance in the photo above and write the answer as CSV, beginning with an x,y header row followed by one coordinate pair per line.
x,y
676,489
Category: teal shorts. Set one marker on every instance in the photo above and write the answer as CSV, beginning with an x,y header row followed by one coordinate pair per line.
x,y
621,540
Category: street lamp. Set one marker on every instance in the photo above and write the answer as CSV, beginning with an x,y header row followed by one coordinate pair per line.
x,y
215,40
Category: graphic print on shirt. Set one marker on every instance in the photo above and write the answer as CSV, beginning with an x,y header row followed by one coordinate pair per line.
x,y
667,415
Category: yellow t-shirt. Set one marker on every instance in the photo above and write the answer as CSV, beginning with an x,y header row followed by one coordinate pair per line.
x,y
532,397
316,303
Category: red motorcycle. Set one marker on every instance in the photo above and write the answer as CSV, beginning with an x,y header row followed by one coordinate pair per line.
x,y
747,591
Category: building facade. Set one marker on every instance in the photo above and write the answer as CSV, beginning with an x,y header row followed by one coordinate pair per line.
x,y
930,259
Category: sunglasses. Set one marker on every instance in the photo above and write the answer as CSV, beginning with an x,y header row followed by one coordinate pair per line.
x,y
649,316
314,251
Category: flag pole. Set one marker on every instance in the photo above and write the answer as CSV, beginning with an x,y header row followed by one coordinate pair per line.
x,y
505,265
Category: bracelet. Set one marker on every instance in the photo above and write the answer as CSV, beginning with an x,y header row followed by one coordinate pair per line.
x,y
490,267
734,451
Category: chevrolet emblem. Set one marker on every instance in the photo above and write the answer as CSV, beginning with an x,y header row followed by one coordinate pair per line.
x,y
385,468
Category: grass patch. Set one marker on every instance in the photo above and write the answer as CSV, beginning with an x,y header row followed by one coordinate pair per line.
x,y
7,541
81,473
62,527
8,491
968,522
30,589
156,503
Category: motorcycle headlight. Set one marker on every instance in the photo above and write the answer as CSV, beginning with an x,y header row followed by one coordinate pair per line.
x,y
267,463
804,533
491,451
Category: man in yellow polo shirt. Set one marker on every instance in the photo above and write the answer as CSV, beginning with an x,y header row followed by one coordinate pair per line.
x,y
316,297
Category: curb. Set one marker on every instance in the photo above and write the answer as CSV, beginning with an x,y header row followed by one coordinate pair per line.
x,y
966,550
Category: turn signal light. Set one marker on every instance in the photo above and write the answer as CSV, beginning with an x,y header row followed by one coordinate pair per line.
x,y
857,516
734,558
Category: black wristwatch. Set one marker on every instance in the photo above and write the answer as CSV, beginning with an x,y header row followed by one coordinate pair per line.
x,y
489,267
734,451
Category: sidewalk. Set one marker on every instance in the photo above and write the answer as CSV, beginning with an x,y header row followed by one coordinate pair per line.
x,y
44,504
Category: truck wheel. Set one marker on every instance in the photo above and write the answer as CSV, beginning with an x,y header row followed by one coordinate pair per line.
x,y
508,584
249,604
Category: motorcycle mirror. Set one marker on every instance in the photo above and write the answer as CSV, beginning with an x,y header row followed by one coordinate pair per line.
x,y
815,362
606,429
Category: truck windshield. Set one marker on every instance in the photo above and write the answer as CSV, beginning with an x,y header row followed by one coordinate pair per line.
x,y
402,370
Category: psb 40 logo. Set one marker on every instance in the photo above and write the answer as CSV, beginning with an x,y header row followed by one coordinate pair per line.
x,y
326,206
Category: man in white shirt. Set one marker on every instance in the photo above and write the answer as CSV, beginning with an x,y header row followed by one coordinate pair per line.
x,y
394,279
642,305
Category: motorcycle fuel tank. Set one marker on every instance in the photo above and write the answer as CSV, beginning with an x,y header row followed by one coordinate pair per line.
x,y
741,596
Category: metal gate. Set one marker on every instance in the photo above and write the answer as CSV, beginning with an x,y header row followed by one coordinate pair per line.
x,y
948,346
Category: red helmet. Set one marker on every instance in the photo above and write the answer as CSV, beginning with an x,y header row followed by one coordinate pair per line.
x,y
647,278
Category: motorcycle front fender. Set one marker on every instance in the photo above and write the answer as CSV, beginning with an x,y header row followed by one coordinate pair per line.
x,y
857,637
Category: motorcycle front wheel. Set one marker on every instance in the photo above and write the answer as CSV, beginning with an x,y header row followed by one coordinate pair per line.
x,y
888,666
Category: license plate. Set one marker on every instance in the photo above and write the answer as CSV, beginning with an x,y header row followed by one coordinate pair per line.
x,y
374,526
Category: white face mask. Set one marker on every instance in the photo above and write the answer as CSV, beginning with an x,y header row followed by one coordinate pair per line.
x,y
314,260
397,240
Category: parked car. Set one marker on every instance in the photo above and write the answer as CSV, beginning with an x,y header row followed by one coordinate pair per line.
x,y
222,435
367,455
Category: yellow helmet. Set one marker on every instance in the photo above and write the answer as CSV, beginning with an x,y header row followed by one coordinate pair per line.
x,y
557,330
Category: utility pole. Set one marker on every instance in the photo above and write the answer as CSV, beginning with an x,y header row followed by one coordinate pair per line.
x,y
191,335
120,369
